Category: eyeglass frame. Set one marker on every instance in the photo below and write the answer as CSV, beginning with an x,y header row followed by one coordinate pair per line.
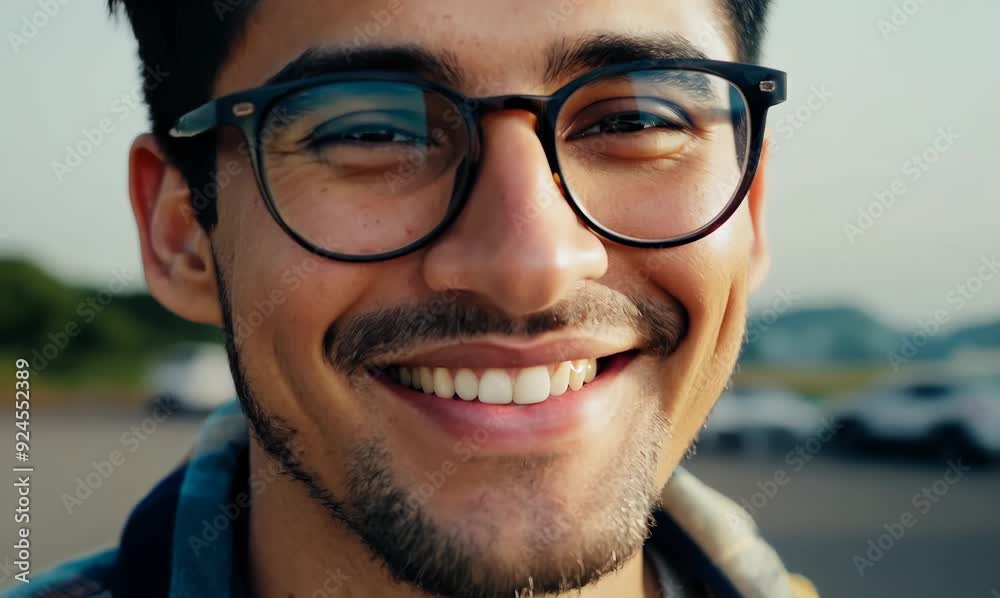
x,y
761,88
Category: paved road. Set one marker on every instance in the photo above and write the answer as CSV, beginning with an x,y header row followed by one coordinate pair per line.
x,y
824,514
820,513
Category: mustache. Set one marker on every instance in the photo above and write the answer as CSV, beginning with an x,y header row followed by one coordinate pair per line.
x,y
354,341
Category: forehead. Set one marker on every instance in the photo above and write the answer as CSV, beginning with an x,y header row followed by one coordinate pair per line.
x,y
501,44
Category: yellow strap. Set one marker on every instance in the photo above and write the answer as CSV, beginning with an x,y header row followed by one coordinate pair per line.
x,y
802,587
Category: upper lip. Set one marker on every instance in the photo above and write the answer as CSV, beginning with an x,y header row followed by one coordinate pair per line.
x,y
505,352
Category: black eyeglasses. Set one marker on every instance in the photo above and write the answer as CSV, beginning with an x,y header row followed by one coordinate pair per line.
x,y
364,166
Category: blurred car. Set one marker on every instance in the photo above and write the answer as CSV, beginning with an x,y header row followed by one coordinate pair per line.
x,y
762,419
941,418
193,378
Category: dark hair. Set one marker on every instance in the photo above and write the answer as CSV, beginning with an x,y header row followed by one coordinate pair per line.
x,y
748,19
182,46
184,43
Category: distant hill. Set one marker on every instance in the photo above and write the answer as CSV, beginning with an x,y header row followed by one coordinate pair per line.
x,y
70,326
848,335
984,336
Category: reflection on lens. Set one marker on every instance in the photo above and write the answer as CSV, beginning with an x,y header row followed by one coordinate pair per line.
x,y
363,168
654,155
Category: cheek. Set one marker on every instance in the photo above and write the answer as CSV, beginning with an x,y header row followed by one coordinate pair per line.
x,y
279,288
709,278
281,315
292,297
704,274
282,297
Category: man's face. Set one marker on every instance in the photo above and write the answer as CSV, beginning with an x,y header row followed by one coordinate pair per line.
x,y
556,492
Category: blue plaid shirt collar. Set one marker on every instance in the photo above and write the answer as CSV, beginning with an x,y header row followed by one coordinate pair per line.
x,y
208,513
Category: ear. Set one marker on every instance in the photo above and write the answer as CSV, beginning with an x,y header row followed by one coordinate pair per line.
x,y
176,252
760,258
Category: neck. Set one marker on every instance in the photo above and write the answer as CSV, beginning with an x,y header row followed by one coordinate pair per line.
x,y
298,549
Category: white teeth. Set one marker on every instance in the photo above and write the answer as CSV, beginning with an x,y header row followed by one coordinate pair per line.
x,y
466,384
532,385
443,385
426,380
578,371
560,379
495,387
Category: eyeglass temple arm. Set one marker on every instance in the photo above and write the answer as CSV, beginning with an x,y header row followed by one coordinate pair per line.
x,y
201,119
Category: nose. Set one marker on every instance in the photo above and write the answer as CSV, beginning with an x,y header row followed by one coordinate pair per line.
x,y
517,244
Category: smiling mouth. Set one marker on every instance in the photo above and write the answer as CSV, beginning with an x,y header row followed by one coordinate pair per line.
x,y
501,386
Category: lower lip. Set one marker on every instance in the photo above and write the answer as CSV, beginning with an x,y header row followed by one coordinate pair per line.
x,y
513,428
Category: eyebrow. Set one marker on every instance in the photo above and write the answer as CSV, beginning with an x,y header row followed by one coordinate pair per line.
x,y
562,59
315,62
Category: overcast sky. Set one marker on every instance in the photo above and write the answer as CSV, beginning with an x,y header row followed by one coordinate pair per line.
x,y
866,97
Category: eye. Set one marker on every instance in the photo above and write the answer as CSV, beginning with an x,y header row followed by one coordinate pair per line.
x,y
631,128
366,135
632,121
378,129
